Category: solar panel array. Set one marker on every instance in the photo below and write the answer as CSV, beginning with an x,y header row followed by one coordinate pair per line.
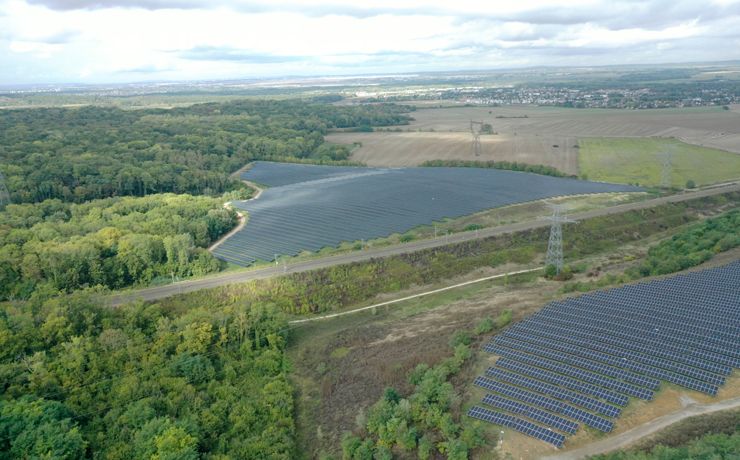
x,y
310,207
581,359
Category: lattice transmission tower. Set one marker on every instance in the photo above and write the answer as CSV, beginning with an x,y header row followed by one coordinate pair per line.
x,y
475,129
666,174
4,193
555,243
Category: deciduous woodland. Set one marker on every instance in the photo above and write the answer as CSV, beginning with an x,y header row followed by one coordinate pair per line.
x,y
80,154
114,198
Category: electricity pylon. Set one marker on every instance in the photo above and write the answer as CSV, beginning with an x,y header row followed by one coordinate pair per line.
x,y
667,172
476,136
555,243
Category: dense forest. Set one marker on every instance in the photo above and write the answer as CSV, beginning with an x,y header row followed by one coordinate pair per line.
x,y
112,242
94,187
81,380
80,154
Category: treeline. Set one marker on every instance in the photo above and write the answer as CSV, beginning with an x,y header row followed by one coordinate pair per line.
x,y
693,246
685,431
81,380
426,422
714,446
80,154
507,165
114,242
330,288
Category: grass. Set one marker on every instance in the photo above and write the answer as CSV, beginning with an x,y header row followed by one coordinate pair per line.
x,y
640,161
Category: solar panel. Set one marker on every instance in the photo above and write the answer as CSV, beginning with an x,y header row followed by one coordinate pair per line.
x,y
595,327
651,371
650,360
545,402
517,424
554,391
579,361
597,349
310,207
631,345
563,381
530,412
571,371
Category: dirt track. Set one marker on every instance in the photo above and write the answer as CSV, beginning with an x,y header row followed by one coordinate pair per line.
x,y
628,437
159,292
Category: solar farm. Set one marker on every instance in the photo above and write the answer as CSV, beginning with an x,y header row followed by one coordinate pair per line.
x,y
309,207
579,361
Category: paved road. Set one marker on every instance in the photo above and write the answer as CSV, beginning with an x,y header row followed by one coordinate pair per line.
x,y
628,437
159,292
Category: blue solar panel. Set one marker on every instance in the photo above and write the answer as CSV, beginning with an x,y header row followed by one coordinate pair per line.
x,y
518,424
311,207
554,391
661,343
680,364
563,381
623,353
531,412
572,371
579,361
545,402
616,343
649,370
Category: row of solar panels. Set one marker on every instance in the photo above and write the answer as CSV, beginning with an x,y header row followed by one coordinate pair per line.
x,y
582,357
309,207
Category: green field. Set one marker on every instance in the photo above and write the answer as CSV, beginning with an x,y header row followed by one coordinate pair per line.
x,y
640,161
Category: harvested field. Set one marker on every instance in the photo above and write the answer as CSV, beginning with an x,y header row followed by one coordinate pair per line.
x,y
393,149
530,134
704,126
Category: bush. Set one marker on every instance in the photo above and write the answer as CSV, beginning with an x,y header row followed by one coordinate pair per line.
x,y
690,184
484,326
503,319
460,338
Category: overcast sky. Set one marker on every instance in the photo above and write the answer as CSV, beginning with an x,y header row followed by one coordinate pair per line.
x,y
55,41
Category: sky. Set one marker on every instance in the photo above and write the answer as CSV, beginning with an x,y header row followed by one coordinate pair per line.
x,y
112,41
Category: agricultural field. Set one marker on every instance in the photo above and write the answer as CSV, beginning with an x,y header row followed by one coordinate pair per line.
x,y
640,161
703,126
394,149
319,206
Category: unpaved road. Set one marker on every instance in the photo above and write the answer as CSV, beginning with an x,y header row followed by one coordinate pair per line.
x,y
414,296
159,292
646,429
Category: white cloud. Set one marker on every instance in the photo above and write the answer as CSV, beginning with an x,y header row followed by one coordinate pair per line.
x,y
116,40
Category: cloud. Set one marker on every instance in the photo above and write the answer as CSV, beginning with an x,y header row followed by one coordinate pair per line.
x,y
199,39
210,53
